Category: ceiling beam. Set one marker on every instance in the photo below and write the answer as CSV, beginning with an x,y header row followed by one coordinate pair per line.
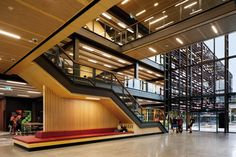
x,y
128,67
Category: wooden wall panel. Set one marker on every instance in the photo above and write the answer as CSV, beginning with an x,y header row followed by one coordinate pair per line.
x,y
2,116
74,114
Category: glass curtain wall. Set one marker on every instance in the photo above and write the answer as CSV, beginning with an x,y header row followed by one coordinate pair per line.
x,y
200,82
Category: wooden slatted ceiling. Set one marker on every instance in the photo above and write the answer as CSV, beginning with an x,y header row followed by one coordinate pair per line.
x,y
31,19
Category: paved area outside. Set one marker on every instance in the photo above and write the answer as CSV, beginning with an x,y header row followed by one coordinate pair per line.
x,y
197,144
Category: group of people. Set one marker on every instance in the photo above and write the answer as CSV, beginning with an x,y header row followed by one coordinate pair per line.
x,y
15,124
177,124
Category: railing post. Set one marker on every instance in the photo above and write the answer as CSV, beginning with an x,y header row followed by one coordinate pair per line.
x,y
111,80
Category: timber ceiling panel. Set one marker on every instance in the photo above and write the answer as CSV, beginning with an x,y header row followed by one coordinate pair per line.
x,y
31,19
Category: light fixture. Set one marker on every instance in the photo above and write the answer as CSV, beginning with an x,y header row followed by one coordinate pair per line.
x,y
152,49
121,61
88,48
214,29
10,34
106,16
106,65
179,40
130,30
158,75
33,92
91,60
150,72
1,93
23,95
190,5
196,11
141,12
122,25
106,55
124,2
120,73
71,54
164,25
16,82
119,43
159,19
92,98
148,19
181,3
155,4
139,36
97,19
140,68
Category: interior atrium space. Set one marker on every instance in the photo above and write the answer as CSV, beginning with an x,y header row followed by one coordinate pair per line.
x,y
123,77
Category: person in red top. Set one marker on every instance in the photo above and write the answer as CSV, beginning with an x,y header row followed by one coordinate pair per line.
x,y
180,125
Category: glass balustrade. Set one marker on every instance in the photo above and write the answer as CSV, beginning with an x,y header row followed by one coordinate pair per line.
x,y
122,34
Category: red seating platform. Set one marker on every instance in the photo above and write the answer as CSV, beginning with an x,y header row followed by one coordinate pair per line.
x,y
67,135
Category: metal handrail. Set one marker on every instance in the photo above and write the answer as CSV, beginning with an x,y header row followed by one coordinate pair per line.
x,y
109,72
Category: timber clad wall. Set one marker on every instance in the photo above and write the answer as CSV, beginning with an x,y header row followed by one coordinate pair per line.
x,y
74,114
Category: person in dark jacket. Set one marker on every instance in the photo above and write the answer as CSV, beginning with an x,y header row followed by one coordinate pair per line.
x,y
191,122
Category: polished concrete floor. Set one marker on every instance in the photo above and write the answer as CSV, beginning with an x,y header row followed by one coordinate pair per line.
x,y
167,145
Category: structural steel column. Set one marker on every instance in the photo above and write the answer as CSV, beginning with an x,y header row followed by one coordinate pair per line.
x,y
226,130
76,68
136,70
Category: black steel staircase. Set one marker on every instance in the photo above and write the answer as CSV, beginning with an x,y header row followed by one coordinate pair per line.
x,y
102,83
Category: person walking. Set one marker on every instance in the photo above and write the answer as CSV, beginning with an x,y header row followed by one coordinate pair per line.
x,y
191,122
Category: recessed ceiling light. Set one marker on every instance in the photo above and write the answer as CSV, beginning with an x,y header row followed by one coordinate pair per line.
x,y
179,40
106,55
140,68
92,98
106,16
190,5
122,61
159,19
156,4
23,95
148,19
71,54
122,25
97,19
196,11
152,49
33,92
10,8
88,48
181,3
10,34
124,2
164,25
91,60
130,30
16,82
214,29
163,12
120,73
140,36
106,65
119,43
150,72
141,12
158,75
